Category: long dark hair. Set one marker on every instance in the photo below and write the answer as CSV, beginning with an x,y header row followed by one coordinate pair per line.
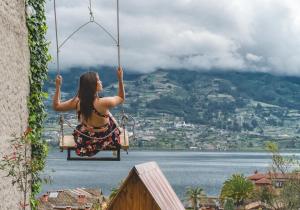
x,y
87,93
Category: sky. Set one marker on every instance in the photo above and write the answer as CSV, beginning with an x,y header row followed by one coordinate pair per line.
x,y
243,35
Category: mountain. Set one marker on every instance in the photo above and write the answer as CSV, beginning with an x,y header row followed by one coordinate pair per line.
x,y
212,110
71,76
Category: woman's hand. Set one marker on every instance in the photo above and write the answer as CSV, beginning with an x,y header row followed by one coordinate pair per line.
x,y
120,74
58,81
110,102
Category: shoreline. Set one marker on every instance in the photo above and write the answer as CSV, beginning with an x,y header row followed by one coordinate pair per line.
x,y
51,147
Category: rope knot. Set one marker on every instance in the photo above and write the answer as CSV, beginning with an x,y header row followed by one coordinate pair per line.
x,y
92,18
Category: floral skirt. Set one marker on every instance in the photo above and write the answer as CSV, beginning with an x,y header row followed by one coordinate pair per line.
x,y
89,144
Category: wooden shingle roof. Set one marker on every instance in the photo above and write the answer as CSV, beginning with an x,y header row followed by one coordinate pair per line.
x,y
151,177
69,197
158,186
264,181
277,176
257,176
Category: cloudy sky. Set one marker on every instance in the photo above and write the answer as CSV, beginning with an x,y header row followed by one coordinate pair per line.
x,y
245,35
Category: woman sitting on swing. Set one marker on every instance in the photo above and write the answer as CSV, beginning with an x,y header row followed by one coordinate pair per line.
x,y
97,128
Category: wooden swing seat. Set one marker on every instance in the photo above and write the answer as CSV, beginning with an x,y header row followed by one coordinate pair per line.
x,y
68,143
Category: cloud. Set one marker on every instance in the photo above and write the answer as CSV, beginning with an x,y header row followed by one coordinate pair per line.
x,y
253,58
257,35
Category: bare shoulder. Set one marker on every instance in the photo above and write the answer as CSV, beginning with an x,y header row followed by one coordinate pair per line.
x,y
106,102
102,101
99,105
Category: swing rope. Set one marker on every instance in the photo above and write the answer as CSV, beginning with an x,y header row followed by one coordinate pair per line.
x,y
91,12
90,137
118,35
92,20
56,37
61,117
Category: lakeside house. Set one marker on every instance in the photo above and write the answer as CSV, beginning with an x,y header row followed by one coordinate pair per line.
x,y
257,205
210,203
270,179
71,199
145,187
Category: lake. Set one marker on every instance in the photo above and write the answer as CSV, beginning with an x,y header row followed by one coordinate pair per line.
x,y
182,169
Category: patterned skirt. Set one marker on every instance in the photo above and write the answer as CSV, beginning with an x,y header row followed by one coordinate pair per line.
x,y
92,141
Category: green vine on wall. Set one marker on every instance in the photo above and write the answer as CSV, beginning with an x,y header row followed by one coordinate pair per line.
x,y
39,58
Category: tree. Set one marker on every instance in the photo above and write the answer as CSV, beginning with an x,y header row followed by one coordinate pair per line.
x,y
115,190
258,108
265,194
238,188
17,165
229,204
289,195
194,196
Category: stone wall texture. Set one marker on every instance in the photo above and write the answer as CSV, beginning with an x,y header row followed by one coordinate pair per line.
x,y
14,86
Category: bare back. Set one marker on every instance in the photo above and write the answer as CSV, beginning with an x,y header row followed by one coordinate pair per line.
x,y
99,115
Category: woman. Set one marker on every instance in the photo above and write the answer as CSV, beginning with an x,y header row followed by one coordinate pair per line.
x,y
97,129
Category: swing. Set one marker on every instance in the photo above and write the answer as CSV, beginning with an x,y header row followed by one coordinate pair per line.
x,y
67,142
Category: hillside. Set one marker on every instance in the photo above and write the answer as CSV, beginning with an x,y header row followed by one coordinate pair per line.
x,y
179,109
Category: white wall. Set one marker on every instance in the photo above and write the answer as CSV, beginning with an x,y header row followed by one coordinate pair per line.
x,y
14,86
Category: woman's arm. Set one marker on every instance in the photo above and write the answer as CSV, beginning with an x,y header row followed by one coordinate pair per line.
x,y
57,104
110,102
